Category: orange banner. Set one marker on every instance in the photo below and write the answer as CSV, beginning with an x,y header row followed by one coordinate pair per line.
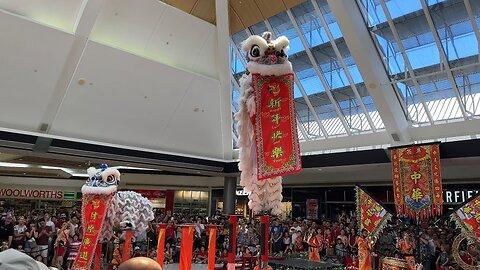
x,y
278,148
417,182
127,246
186,248
94,208
161,244
212,243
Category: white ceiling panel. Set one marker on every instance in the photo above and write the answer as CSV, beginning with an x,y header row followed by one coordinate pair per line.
x,y
181,39
127,24
31,60
60,14
197,120
121,98
152,29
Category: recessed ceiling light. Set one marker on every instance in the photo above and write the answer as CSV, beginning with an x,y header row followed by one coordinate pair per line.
x,y
13,165
319,169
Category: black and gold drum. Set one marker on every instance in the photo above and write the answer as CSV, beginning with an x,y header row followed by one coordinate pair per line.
x,y
390,263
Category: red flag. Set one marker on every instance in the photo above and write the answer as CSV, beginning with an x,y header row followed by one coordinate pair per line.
x,y
127,246
94,208
417,182
161,244
212,241
467,217
186,248
371,215
278,148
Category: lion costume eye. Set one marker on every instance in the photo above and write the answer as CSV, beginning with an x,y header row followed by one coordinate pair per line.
x,y
255,51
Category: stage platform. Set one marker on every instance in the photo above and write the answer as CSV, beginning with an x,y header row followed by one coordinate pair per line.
x,y
303,264
291,263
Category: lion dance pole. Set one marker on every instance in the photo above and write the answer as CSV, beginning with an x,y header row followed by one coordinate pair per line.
x,y
268,139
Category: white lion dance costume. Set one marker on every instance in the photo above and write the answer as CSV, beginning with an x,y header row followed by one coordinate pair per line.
x,y
103,208
261,126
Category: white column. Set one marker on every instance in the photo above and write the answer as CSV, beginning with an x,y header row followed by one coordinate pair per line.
x,y
223,72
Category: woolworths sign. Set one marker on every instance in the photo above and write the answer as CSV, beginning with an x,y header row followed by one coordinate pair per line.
x,y
17,193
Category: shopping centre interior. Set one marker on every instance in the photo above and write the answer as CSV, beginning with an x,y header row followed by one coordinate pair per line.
x,y
151,88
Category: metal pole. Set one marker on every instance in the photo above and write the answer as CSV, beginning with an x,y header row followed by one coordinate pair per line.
x,y
229,195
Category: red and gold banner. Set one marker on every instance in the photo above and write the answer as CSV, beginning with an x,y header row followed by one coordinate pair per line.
x,y
371,215
467,217
186,248
161,244
212,245
278,148
94,208
417,182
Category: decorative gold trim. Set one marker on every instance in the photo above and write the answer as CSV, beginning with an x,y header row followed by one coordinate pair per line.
x,y
456,251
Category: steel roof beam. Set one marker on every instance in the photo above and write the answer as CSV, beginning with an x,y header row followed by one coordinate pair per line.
x,y
370,65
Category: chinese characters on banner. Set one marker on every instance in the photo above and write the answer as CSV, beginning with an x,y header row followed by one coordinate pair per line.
x,y
278,148
371,215
312,209
467,217
94,208
417,182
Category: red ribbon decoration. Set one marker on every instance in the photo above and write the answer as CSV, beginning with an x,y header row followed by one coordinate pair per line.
x,y
94,208
265,220
98,257
212,243
161,244
127,246
186,248
278,148
232,252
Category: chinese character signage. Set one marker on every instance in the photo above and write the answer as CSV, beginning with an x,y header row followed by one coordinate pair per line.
x,y
417,183
278,148
467,217
94,208
371,216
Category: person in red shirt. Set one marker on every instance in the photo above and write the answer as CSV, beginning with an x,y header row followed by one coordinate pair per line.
x,y
170,232
202,255
42,235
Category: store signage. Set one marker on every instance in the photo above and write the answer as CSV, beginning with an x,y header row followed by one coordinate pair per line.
x,y
312,209
31,193
242,192
458,196
152,194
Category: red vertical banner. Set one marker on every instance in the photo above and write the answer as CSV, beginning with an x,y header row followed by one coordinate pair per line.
x,y
265,234
212,243
278,148
94,208
161,244
186,248
169,199
127,246
232,244
98,257
417,183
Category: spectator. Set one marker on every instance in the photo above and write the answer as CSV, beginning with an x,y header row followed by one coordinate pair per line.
x,y
42,235
7,231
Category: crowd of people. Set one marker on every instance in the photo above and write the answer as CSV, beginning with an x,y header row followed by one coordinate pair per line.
x,y
54,238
